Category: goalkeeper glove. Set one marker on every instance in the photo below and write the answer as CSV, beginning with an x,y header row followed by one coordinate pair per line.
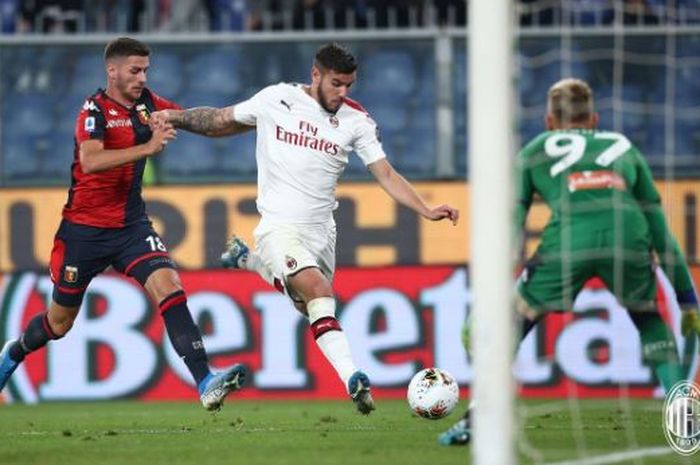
x,y
690,322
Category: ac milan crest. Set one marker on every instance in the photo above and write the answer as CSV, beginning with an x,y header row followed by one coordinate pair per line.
x,y
291,262
334,121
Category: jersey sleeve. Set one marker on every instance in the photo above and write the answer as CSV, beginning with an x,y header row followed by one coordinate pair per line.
x,y
665,245
525,191
525,187
90,123
248,111
162,103
367,144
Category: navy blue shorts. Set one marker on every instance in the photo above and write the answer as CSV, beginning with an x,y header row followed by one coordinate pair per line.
x,y
82,252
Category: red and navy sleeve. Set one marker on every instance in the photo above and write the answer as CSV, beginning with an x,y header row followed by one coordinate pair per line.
x,y
91,122
164,104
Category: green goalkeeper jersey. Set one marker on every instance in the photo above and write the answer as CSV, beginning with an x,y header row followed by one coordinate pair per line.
x,y
597,181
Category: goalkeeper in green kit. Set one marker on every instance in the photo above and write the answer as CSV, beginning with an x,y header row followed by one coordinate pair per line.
x,y
606,222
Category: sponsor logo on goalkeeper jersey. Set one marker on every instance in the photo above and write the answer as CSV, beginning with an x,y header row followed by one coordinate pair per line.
x,y
596,180
682,418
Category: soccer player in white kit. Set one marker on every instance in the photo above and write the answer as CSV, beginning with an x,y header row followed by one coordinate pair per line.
x,y
305,134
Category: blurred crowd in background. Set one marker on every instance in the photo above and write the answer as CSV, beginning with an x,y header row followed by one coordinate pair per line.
x,y
71,16
642,57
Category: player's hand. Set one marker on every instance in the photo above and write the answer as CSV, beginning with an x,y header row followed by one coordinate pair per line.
x,y
443,212
690,322
159,119
160,138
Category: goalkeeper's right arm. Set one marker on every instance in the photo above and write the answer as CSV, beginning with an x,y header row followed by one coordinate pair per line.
x,y
667,249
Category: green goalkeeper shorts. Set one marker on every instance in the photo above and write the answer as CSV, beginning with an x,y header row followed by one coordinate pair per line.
x,y
554,276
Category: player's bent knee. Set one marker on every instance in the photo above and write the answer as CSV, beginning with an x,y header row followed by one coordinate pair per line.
x,y
60,320
310,284
61,329
145,271
163,283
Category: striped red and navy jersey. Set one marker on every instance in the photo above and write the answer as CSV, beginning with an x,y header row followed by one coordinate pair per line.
x,y
111,198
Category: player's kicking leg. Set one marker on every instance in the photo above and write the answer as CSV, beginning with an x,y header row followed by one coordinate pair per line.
x,y
321,313
329,336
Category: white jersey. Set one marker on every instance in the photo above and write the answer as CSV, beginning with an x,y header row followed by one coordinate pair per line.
x,y
302,150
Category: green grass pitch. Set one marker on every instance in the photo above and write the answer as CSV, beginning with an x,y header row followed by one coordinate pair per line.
x,y
309,433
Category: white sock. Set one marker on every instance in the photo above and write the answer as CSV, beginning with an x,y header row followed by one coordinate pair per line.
x,y
335,347
333,344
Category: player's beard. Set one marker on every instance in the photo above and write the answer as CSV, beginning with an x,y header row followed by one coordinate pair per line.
x,y
324,102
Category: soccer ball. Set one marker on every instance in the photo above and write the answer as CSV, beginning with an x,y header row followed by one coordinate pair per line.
x,y
432,393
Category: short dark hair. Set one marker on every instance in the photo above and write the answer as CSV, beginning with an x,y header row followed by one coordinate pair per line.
x,y
335,57
125,47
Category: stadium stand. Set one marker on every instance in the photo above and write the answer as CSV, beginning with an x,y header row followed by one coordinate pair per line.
x,y
645,82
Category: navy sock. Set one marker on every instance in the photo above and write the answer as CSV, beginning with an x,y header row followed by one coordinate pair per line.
x,y
35,336
184,335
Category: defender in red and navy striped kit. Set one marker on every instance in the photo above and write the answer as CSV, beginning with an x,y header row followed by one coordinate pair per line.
x,y
105,223
104,220
111,198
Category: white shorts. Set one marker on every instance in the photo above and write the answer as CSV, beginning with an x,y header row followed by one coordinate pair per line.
x,y
286,249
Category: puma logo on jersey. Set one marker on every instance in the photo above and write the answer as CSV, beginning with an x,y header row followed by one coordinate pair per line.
x,y
113,112
289,107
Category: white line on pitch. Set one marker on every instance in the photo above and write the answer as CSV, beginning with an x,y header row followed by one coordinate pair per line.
x,y
617,457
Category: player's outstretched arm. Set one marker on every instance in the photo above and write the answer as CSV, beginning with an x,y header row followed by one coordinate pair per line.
x,y
208,121
95,158
667,249
401,190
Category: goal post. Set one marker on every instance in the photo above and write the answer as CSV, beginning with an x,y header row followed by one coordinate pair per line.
x,y
490,155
